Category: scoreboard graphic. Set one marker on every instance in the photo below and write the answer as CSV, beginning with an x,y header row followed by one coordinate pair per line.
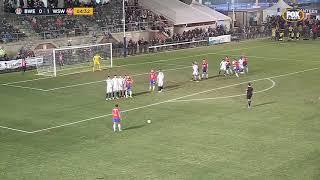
x,y
77,11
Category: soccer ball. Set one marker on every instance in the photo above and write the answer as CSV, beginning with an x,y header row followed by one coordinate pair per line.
x,y
149,121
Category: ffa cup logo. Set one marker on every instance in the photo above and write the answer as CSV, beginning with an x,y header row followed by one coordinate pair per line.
x,y
293,15
18,11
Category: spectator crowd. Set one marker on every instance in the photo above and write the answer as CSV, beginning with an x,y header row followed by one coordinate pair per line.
x,y
279,28
8,32
49,27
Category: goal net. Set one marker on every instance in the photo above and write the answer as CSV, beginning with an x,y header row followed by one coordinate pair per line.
x,y
73,59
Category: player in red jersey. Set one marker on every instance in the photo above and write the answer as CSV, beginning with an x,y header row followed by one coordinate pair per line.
x,y
205,67
236,67
129,83
245,64
152,79
116,118
228,65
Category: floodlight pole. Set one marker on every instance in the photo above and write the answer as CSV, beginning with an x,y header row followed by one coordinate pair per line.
x,y
124,29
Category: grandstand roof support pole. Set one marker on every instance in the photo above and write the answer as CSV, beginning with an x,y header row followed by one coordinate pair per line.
x,y
233,14
124,29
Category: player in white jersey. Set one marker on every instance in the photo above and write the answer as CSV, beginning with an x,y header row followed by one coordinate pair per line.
x,y
121,86
124,80
223,67
241,65
195,73
160,80
109,93
115,87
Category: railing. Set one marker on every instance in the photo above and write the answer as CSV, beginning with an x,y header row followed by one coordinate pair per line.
x,y
179,45
118,51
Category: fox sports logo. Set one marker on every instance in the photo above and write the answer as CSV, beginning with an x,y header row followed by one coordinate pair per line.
x,y
293,15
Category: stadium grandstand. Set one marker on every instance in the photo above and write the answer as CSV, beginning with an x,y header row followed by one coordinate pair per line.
x,y
148,23
159,89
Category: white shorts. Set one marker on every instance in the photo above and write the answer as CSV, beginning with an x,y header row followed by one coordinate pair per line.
x,y
109,89
160,83
223,68
195,73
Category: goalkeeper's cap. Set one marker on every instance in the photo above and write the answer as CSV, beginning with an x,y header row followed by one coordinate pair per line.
x,y
116,105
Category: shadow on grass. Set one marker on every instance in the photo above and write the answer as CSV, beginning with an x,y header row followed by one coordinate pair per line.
x,y
173,86
141,93
265,103
134,127
170,87
216,76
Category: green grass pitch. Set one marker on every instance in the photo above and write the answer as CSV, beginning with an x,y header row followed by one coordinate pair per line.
x,y
60,128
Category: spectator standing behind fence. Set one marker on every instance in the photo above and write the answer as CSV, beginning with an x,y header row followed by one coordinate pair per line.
x,y
23,65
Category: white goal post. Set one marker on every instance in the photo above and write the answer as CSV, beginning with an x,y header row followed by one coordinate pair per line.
x,y
73,59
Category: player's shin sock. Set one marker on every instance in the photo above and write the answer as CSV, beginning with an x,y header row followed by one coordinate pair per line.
x,y
119,127
130,93
153,87
237,74
114,127
249,104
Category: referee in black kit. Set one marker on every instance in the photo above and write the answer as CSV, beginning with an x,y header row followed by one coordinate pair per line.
x,y
249,94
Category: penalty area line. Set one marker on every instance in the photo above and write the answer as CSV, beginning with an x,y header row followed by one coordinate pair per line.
x,y
24,87
225,97
172,100
14,129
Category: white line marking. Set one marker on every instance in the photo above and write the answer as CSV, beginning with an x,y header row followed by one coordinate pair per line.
x,y
170,100
225,97
274,58
24,87
13,129
133,64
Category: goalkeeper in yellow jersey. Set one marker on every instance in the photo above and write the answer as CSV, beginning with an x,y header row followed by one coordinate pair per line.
x,y
96,62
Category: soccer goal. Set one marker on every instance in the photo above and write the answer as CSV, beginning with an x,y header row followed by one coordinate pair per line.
x,y
73,59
